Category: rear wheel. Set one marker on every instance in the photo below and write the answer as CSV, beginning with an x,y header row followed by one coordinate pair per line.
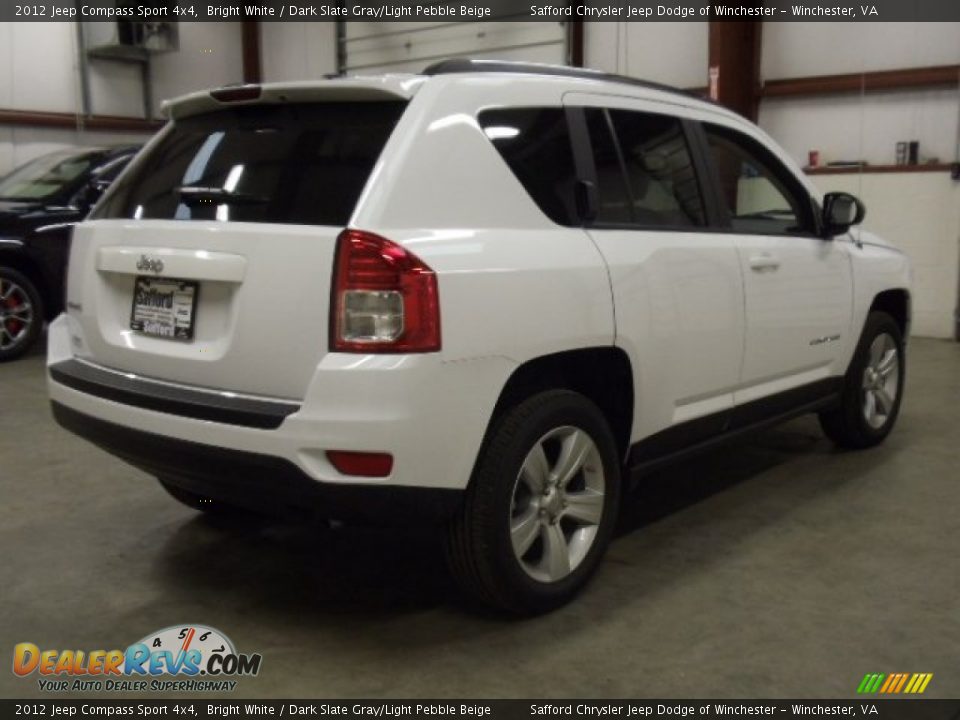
x,y
21,314
873,387
541,505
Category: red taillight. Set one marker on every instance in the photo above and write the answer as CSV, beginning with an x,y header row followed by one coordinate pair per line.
x,y
362,464
384,298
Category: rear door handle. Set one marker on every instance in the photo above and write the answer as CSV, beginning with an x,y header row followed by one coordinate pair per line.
x,y
764,262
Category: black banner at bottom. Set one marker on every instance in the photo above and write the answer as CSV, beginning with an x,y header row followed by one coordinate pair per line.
x,y
887,709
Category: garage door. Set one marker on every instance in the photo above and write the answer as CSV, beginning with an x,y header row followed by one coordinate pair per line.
x,y
375,47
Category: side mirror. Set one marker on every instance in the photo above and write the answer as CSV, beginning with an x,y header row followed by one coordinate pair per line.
x,y
841,211
89,194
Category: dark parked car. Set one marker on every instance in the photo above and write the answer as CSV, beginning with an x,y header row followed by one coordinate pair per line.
x,y
39,204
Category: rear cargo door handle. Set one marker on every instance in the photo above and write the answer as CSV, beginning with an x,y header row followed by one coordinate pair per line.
x,y
172,262
764,262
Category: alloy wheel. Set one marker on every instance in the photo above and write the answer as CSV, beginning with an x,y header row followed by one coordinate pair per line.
x,y
881,381
16,314
557,504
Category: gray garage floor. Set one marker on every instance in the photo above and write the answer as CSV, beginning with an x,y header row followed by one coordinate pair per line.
x,y
778,568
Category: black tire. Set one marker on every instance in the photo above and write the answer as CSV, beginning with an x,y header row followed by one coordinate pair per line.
x,y
17,335
200,502
480,551
847,425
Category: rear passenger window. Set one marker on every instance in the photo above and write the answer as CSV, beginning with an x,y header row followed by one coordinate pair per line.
x,y
535,143
660,174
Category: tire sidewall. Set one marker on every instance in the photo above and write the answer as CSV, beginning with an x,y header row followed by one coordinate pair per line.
x,y
564,409
877,324
36,325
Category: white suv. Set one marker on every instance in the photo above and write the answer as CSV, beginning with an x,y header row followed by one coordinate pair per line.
x,y
484,296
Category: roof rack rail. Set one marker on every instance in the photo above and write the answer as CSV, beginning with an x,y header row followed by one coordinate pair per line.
x,y
470,65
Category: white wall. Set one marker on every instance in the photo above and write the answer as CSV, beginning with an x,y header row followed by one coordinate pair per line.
x,y
859,126
39,70
37,62
674,53
210,55
373,47
920,212
301,51
851,127
797,49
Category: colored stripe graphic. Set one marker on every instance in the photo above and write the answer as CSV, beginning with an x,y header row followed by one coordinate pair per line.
x,y
903,680
894,683
871,682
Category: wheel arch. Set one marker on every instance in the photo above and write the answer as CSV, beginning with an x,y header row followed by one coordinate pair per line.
x,y
602,374
896,303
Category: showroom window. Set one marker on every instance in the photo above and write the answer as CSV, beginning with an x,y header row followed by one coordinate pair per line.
x,y
535,144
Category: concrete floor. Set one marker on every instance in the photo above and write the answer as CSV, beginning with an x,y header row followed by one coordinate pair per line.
x,y
775,569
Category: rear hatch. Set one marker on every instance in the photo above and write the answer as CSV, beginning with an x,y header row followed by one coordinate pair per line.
x,y
209,262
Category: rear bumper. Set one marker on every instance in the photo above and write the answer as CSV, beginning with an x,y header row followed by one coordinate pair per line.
x,y
429,414
257,481
200,404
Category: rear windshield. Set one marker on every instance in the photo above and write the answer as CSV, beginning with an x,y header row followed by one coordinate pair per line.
x,y
297,164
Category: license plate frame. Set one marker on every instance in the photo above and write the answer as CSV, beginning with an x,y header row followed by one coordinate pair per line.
x,y
153,319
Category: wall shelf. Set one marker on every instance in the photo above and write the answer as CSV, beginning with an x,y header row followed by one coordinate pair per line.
x,y
870,169
883,80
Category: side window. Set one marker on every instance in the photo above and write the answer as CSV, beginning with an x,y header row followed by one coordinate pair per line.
x,y
660,174
756,189
613,201
535,144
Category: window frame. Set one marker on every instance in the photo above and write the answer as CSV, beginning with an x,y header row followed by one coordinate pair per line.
x,y
587,170
770,162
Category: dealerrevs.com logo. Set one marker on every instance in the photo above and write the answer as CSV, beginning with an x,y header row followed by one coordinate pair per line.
x,y
199,657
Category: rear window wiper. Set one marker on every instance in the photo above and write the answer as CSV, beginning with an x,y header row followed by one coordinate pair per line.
x,y
194,194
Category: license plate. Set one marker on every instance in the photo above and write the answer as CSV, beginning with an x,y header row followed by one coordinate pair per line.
x,y
163,307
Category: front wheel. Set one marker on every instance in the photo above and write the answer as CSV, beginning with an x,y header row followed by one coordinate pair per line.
x,y
873,387
541,505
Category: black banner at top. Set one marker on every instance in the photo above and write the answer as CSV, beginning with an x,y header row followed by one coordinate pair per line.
x,y
405,709
478,10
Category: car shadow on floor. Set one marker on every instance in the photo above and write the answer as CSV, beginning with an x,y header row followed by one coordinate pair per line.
x,y
344,570
681,485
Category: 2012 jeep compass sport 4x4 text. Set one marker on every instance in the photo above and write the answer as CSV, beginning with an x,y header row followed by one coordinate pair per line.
x,y
484,296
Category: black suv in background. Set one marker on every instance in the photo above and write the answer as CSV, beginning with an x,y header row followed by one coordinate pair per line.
x,y
39,203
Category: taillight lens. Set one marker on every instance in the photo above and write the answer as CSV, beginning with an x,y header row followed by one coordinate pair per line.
x,y
385,298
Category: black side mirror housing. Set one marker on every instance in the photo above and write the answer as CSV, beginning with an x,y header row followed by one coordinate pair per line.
x,y
89,194
841,211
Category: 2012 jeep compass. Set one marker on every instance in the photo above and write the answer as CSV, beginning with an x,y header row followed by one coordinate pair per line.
x,y
483,296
